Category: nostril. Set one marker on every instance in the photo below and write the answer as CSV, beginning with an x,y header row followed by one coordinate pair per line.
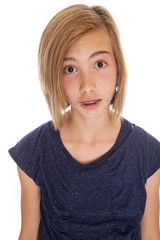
x,y
87,90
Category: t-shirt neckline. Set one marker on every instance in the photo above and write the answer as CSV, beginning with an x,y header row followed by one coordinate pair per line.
x,y
125,129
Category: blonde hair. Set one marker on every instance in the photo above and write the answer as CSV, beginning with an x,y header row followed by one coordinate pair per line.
x,y
60,33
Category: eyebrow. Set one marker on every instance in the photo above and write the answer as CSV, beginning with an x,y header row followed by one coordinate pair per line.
x,y
98,53
92,55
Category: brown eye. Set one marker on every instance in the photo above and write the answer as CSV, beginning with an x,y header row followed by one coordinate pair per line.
x,y
100,64
70,69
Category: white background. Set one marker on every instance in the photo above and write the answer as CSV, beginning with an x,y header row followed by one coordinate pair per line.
x,y
22,105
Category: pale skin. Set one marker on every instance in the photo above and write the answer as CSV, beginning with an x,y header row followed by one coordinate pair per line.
x,y
89,73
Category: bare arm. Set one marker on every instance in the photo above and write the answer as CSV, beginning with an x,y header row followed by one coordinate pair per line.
x,y
150,222
30,207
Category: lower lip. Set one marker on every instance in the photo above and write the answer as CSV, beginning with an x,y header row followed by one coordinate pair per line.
x,y
90,106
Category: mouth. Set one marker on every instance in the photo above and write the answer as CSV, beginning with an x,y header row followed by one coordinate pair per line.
x,y
90,102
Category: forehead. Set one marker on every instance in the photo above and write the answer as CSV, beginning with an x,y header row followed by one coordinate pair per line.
x,y
94,40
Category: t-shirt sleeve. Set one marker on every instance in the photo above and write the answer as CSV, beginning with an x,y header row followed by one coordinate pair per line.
x,y
154,158
27,152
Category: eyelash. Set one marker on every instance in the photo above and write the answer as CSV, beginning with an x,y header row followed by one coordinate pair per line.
x,y
74,69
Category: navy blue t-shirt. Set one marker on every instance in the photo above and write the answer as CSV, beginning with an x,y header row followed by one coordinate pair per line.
x,y
102,200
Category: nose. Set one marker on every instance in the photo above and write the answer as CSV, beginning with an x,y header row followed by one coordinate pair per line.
x,y
87,83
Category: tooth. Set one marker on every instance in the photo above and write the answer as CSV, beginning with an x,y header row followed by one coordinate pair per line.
x,y
90,102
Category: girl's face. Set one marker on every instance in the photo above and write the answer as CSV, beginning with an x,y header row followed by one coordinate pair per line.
x,y
89,74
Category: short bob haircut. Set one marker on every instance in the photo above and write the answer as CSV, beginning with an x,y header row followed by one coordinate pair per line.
x,y
59,35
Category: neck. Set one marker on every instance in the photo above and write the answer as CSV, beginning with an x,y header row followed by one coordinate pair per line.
x,y
91,129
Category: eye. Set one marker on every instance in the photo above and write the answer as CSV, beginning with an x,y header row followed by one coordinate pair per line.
x,y
100,64
69,69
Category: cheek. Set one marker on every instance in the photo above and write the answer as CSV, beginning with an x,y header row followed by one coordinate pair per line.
x,y
109,79
68,88
112,78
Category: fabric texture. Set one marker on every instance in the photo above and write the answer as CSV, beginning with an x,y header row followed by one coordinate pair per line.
x,y
102,200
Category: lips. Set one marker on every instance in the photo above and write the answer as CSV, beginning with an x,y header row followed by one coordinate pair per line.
x,y
90,102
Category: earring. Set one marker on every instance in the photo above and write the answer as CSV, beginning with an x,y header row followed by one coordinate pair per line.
x,y
116,89
67,104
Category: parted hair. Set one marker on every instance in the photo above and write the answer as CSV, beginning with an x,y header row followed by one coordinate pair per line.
x,y
59,35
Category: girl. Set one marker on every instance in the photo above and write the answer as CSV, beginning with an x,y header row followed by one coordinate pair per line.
x,y
89,174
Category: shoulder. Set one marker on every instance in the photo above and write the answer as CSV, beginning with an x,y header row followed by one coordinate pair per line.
x,y
38,132
139,136
146,149
28,151
36,136
33,142
145,138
